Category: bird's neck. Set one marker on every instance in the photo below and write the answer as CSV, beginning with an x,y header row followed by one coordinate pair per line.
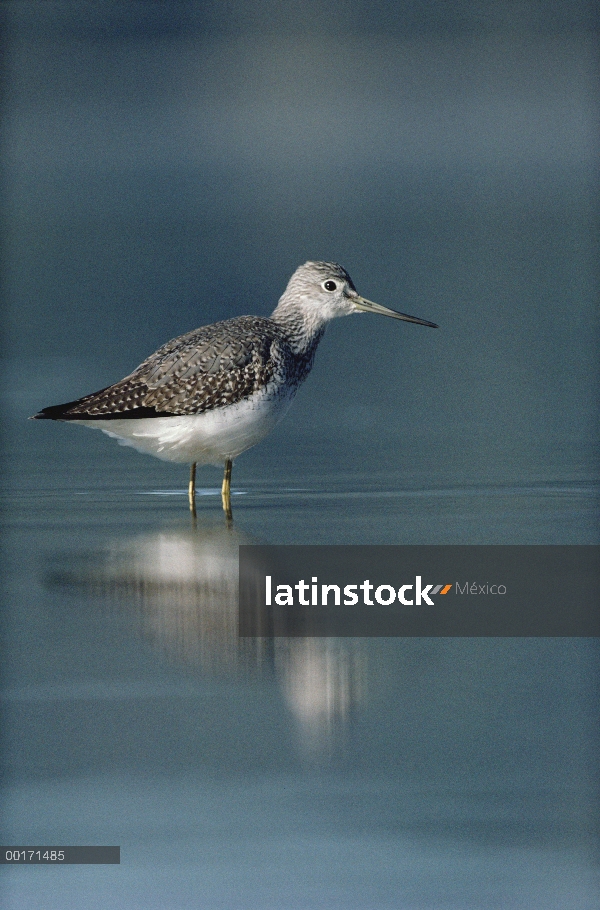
x,y
303,328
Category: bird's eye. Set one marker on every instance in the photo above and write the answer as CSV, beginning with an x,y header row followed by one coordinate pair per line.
x,y
330,286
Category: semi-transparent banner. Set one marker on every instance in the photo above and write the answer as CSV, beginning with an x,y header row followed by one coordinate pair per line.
x,y
341,591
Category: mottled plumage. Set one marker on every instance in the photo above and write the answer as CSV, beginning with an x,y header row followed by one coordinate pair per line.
x,y
209,395
212,367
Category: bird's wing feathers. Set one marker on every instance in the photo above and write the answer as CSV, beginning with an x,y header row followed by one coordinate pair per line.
x,y
211,367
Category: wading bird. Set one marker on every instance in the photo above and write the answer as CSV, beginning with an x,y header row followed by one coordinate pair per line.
x,y
207,396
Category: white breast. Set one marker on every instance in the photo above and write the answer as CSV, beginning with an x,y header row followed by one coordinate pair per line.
x,y
208,438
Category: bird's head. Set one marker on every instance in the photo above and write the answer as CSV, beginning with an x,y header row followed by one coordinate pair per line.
x,y
322,291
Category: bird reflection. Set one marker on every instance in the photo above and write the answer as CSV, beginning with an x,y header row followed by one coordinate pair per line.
x,y
180,588
323,680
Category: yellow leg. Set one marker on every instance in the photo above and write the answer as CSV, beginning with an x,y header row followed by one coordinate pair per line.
x,y
192,489
226,490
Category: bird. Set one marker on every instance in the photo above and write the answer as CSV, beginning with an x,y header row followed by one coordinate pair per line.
x,y
209,395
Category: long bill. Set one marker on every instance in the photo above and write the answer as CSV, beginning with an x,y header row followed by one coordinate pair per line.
x,y
369,307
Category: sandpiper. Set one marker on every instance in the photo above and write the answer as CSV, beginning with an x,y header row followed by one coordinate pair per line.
x,y
207,396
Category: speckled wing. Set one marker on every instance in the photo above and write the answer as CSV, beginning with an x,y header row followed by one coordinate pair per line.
x,y
211,367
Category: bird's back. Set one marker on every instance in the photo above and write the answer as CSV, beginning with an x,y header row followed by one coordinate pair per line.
x,y
211,367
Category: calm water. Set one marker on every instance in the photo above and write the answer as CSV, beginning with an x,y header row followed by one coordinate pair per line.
x,y
322,773
163,174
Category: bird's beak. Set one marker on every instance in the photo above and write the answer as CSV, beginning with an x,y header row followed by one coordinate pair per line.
x,y
369,307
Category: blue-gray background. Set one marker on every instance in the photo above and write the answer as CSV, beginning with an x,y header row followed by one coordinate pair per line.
x,y
169,164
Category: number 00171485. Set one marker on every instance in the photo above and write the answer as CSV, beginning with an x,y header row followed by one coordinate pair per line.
x,y
29,856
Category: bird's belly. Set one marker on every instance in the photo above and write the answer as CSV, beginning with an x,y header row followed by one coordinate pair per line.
x,y
207,438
